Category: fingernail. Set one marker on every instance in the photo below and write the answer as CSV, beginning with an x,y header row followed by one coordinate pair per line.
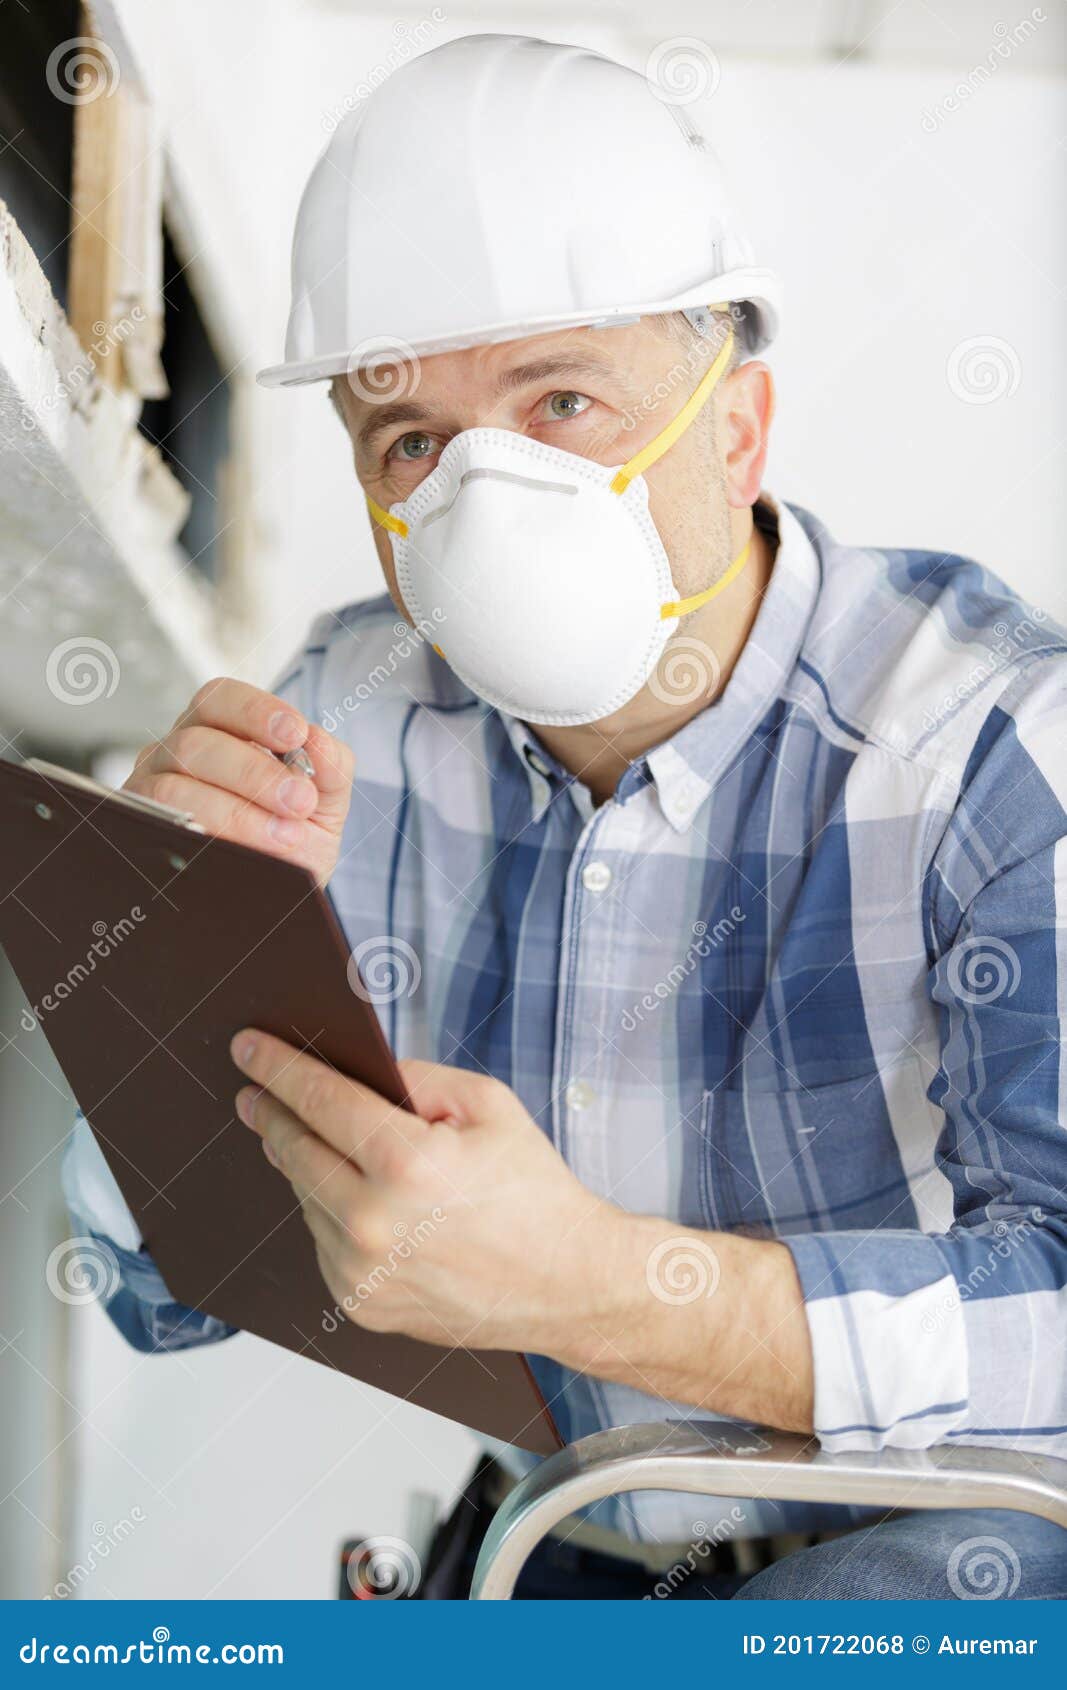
x,y
287,728
283,832
245,1104
297,794
243,1049
269,1154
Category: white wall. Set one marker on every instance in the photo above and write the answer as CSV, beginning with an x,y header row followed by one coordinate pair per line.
x,y
896,244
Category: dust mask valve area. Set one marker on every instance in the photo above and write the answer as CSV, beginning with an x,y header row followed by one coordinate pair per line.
x,y
544,572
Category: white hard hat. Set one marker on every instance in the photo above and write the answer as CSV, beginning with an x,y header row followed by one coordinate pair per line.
x,y
498,187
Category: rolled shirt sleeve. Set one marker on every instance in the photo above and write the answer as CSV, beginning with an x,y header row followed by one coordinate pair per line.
x,y
920,1338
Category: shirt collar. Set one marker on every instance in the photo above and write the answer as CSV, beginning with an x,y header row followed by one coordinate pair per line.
x,y
545,773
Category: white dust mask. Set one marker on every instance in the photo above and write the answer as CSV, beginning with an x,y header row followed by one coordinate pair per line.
x,y
543,572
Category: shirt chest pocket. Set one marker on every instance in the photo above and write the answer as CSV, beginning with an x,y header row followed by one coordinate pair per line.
x,y
843,1157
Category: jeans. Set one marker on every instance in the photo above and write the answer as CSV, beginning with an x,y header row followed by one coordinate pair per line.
x,y
963,1554
950,1554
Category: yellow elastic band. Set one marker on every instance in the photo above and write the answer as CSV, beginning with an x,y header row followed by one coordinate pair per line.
x,y
682,607
395,524
666,438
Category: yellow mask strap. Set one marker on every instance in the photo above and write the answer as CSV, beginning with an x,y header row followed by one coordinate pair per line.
x,y
395,524
682,607
665,439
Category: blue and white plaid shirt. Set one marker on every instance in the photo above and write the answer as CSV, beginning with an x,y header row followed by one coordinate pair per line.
x,y
803,976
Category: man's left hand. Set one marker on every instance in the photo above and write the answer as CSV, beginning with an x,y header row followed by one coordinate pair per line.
x,y
454,1220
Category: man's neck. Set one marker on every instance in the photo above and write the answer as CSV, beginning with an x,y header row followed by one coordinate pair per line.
x,y
598,753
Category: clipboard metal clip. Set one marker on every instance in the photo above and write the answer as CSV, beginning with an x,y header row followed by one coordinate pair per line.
x,y
129,800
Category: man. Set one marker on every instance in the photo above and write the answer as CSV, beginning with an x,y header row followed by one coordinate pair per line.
x,y
714,867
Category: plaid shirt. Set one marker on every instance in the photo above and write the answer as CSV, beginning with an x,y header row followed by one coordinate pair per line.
x,y
802,977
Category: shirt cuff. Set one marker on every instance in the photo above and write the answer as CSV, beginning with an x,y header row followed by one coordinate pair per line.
x,y
888,1339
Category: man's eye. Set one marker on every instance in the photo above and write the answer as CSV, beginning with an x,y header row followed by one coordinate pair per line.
x,y
410,447
564,405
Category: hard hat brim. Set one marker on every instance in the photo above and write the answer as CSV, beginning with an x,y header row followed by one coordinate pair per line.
x,y
757,288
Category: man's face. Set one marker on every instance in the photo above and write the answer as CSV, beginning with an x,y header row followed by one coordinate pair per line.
x,y
600,393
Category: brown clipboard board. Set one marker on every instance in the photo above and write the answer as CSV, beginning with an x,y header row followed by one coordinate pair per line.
x,y
195,938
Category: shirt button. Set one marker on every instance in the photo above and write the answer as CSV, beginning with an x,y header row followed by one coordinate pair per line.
x,y
579,1095
596,877
538,765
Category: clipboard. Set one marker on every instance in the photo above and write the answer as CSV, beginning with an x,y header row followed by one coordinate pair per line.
x,y
142,945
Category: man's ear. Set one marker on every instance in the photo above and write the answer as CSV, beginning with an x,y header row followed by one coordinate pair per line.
x,y
336,401
745,426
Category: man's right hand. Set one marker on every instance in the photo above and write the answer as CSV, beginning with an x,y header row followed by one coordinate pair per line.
x,y
214,763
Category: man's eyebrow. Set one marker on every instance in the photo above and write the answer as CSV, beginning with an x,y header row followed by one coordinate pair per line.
x,y
387,416
562,364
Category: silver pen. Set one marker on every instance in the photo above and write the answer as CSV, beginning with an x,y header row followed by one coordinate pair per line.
x,y
299,759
